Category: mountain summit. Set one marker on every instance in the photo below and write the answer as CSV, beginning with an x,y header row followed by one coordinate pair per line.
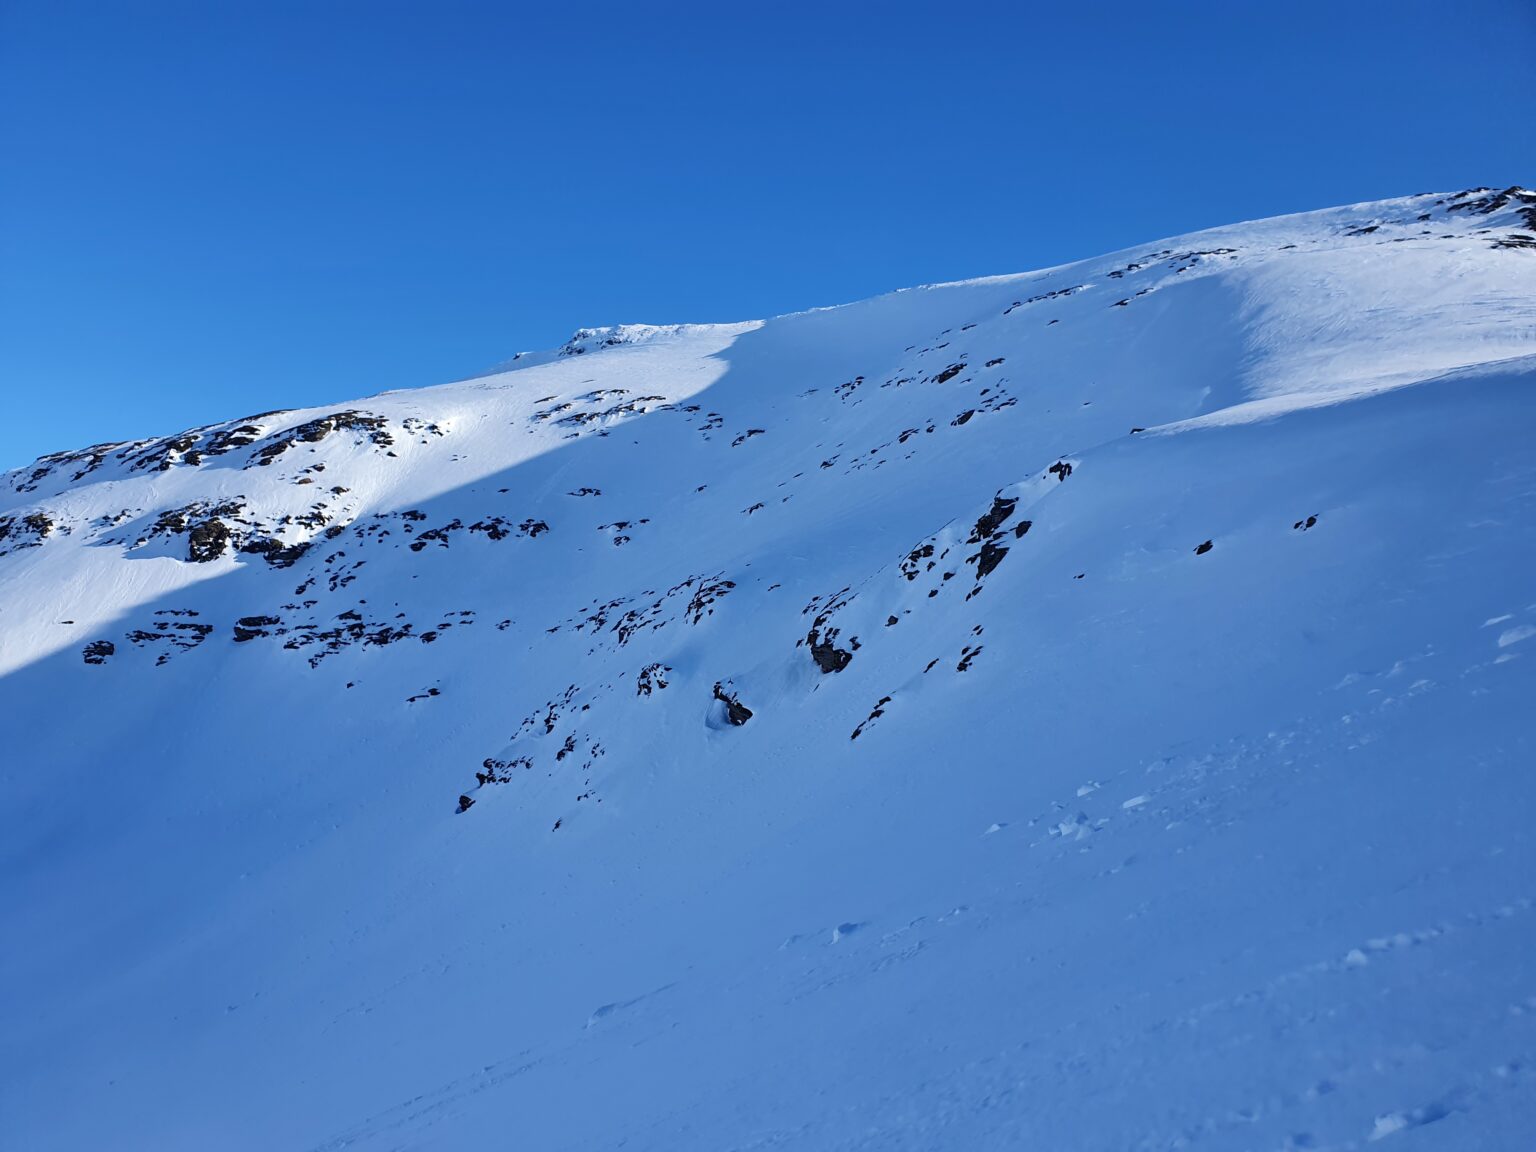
x,y
1085,709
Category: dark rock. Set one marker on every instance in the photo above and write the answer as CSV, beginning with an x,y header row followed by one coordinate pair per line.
x,y
500,771
439,536
373,427
736,713
250,627
874,714
652,678
97,651
207,541
990,556
911,566
993,519
275,552
1202,549
466,803
14,531
828,657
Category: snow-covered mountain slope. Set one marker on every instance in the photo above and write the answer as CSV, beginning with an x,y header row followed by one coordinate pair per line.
x,y
1088,709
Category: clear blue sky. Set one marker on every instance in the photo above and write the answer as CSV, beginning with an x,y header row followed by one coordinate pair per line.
x,y
214,208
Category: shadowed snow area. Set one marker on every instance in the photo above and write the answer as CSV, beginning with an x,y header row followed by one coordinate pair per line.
x,y
1085,709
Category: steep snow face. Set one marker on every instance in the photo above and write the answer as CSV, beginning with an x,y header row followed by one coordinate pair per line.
x,y
1084,709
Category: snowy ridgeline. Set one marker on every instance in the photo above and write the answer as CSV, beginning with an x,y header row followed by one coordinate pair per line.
x,y
1084,709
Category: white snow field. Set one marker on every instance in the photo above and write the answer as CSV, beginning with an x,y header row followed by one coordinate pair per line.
x,y
1102,789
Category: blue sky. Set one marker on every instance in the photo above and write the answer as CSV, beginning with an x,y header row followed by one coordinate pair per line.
x,y
212,209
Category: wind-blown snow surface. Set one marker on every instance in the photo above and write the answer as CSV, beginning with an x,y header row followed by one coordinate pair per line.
x,y
1101,789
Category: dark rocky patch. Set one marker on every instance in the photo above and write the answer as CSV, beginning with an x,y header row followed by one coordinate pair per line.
x,y
993,518
736,713
1202,549
84,461
1303,525
367,425
26,531
250,627
174,636
198,444
652,678
275,552
912,564
1060,292
594,407
822,637
97,651
990,534
828,657
212,528
700,604
419,427
874,714
438,536
495,527
1484,201
990,556
494,771
207,541
548,717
